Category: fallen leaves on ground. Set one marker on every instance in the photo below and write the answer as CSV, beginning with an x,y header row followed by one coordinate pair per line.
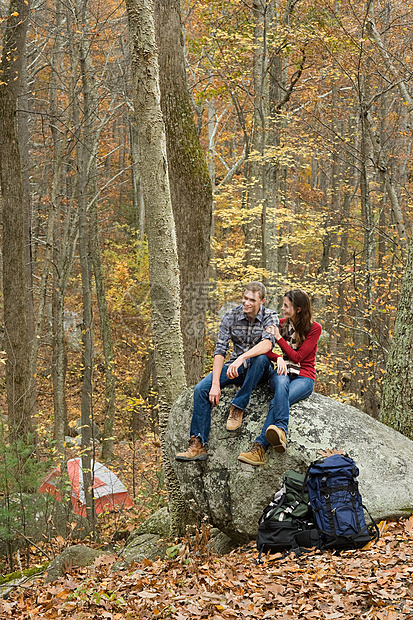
x,y
374,584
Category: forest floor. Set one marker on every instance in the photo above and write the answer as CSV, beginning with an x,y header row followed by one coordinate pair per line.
x,y
374,584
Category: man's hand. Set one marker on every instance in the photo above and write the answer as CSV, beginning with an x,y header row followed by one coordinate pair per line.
x,y
232,370
214,394
281,366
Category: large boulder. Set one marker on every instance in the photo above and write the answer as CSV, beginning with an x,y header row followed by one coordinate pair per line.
x,y
232,495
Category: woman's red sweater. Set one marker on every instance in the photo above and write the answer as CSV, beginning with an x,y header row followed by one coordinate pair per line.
x,y
306,352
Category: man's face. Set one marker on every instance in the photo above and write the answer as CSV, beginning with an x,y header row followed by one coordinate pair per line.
x,y
251,303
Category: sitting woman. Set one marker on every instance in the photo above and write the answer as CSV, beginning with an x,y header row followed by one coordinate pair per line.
x,y
293,379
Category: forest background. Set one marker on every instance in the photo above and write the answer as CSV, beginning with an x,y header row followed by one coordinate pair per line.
x,y
303,111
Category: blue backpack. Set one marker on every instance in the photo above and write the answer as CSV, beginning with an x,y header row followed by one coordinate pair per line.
x,y
337,505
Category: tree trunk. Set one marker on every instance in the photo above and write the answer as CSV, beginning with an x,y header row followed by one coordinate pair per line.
x,y
18,384
397,401
24,140
163,258
382,166
190,185
63,255
60,250
365,302
91,135
110,386
257,167
137,194
85,153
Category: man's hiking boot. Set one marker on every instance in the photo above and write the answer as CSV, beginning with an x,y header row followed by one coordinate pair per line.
x,y
195,452
276,437
256,455
235,418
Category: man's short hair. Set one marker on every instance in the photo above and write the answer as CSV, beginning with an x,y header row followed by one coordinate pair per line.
x,y
257,287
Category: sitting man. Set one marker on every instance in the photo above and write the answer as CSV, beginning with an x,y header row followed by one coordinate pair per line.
x,y
245,325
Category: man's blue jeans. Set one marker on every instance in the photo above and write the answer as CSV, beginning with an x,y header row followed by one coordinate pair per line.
x,y
287,391
259,370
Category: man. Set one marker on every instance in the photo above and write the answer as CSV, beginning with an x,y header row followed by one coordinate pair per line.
x,y
245,325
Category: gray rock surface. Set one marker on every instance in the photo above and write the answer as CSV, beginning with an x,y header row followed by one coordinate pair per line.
x,y
77,555
232,495
221,544
142,546
148,541
157,523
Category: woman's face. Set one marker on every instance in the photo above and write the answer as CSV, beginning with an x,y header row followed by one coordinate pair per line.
x,y
288,309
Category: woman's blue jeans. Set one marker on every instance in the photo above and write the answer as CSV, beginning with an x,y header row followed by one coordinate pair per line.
x,y
258,370
287,391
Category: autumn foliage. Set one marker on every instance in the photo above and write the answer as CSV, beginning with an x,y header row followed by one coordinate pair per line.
x,y
374,584
304,111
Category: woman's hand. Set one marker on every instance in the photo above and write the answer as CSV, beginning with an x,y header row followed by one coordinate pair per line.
x,y
273,329
281,366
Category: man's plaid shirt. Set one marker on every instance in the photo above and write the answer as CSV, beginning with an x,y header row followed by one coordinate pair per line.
x,y
244,334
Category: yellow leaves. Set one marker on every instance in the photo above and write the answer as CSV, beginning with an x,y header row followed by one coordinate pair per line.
x,y
383,527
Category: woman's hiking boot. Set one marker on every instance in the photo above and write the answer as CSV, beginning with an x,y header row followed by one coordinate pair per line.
x,y
195,452
276,437
235,418
255,456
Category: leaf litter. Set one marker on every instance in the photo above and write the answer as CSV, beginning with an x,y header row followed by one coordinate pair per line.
x,y
373,584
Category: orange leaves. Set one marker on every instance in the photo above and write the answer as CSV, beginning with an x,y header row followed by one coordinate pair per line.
x,y
373,584
409,526
370,584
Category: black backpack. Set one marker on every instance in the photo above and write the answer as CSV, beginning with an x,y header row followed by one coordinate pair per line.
x,y
287,522
337,504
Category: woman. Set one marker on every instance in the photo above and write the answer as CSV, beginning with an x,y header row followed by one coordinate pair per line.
x,y
293,379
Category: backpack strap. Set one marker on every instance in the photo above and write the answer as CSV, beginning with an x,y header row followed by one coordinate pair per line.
x,y
353,501
288,510
296,549
376,529
326,495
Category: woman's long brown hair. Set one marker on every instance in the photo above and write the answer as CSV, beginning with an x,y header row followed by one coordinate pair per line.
x,y
303,320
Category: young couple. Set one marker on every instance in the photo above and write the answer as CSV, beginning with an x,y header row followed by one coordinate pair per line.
x,y
254,330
